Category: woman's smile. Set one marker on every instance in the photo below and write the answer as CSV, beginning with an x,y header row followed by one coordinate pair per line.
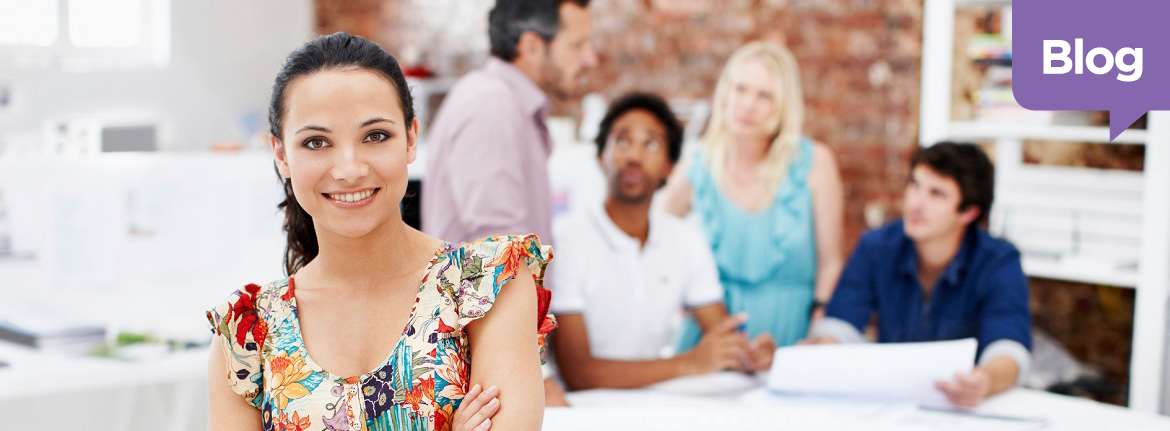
x,y
355,199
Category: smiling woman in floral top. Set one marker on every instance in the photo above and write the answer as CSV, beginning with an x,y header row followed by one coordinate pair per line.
x,y
379,326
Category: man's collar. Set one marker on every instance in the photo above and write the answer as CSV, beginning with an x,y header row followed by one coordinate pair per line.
x,y
953,273
532,98
618,238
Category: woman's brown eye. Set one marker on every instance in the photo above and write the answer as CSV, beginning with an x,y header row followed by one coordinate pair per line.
x,y
314,143
377,137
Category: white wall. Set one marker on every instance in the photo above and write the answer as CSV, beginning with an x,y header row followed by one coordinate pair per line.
x,y
224,56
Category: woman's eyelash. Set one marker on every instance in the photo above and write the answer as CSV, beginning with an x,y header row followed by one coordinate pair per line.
x,y
384,135
308,143
317,142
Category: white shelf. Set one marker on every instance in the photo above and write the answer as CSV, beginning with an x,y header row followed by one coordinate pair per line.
x,y
996,130
1069,271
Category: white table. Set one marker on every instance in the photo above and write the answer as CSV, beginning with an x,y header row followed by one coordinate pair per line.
x,y
169,393
734,402
47,390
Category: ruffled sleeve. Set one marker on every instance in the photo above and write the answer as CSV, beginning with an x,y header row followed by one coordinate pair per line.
x,y
241,332
488,264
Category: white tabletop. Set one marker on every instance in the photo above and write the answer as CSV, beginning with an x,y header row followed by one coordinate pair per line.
x,y
717,401
32,373
732,401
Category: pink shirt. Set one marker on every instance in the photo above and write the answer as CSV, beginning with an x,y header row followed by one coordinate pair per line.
x,y
487,159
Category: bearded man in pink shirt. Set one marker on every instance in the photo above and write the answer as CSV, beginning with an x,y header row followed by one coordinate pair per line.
x,y
488,148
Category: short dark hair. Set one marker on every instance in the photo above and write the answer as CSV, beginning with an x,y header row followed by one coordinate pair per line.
x,y
967,165
655,106
511,18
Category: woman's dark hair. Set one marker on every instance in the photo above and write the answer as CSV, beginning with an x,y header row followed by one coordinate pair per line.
x,y
511,18
338,51
969,167
655,106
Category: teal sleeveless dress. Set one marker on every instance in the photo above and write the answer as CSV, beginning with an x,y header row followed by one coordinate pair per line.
x,y
767,259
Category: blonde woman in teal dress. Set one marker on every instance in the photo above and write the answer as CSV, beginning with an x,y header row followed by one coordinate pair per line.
x,y
769,199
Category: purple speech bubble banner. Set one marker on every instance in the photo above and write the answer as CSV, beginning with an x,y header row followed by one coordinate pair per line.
x,y
1088,55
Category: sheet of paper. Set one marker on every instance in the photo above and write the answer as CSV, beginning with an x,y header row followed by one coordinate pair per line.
x,y
891,372
721,383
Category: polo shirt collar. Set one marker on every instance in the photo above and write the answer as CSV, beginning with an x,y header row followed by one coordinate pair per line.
x,y
615,237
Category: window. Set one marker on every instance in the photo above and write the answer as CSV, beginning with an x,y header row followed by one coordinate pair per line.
x,y
28,23
84,35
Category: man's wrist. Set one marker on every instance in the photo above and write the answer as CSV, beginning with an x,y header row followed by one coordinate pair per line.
x,y
685,363
817,305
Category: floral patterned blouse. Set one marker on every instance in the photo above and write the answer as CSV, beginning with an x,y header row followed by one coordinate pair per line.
x,y
418,387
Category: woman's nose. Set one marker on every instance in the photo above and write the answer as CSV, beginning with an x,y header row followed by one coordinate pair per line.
x,y
349,167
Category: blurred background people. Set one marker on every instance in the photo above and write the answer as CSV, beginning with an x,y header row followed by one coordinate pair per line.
x,y
489,145
937,275
627,272
770,199
487,168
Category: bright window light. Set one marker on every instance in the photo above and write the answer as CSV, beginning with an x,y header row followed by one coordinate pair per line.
x,y
24,22
104,23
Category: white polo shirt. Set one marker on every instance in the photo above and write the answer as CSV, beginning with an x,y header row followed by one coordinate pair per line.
x,y
632,297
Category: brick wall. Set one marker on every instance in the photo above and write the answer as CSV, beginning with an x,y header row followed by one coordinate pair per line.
x,y
1095,324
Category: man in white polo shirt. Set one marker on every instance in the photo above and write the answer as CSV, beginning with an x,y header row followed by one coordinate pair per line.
x,y
626,275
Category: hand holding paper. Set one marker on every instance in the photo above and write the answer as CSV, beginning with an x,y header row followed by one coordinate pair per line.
x,y
895,371
966,389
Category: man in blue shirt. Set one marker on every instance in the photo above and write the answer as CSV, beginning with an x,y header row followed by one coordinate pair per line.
x,y
936,275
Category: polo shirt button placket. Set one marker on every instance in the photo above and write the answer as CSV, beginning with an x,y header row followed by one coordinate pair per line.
x,y
638,282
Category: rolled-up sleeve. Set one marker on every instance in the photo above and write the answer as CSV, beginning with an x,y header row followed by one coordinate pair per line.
x,y
853,300
1005,323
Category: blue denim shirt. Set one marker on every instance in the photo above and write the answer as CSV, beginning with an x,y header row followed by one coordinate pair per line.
x,y
983,293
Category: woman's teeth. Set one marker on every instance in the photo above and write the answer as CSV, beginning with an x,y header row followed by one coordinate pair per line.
x,y
351,197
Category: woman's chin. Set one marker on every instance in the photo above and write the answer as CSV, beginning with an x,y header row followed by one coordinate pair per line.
x,y
744,134
354,230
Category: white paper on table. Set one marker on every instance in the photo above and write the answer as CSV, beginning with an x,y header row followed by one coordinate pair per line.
x,y
723,383
887,371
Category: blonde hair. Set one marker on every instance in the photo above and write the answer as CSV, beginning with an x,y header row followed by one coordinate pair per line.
x,y
718,143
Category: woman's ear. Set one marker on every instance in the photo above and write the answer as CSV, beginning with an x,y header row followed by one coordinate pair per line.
x,y
279,155
412,141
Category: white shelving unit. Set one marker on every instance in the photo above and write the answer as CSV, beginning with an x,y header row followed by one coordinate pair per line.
x,y
1120,221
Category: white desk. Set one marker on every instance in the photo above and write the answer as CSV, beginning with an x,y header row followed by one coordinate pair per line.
x,y
732,402
55,391
97,394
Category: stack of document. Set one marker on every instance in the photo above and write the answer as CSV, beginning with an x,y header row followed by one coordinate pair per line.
x,y
888,372
47,333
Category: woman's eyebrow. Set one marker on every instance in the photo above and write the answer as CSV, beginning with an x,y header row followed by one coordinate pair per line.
x,y
317,128
376,120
